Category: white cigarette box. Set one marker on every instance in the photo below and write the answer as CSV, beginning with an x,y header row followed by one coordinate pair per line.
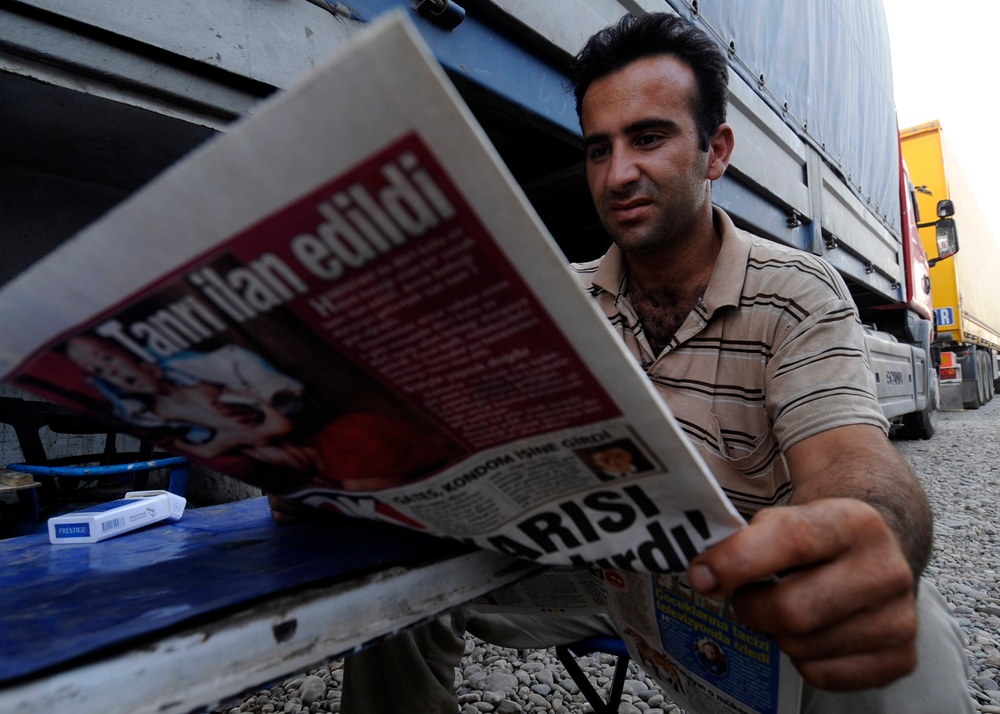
x,y
97,523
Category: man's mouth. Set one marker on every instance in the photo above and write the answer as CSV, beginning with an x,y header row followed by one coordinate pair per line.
x,y
629,210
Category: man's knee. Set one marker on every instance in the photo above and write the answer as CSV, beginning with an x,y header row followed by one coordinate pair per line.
x,y
536,631
939,684
420,662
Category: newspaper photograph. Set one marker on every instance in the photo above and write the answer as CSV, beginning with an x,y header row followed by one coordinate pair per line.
x,y
694,647
347,300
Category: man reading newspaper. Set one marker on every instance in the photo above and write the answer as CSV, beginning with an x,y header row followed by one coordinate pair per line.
x,y
758,351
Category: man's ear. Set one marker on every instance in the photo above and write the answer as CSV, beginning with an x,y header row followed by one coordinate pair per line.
x,y
720,151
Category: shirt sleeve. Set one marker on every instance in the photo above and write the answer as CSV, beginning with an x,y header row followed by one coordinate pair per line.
x,y
819,377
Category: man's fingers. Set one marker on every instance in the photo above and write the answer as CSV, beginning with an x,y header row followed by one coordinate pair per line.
x,y
783,539
817,635
777,540
888,629
867,648
829,582
858,671
813,599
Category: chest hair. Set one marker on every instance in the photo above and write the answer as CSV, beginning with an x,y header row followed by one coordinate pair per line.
x,y
663,311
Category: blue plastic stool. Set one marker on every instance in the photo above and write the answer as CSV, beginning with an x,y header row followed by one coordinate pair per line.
x,y
178,476
567,654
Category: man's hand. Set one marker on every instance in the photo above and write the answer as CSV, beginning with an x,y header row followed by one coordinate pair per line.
x,y
843,609
833,577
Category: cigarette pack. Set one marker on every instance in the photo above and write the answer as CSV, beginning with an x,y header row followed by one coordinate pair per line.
x,y
97,523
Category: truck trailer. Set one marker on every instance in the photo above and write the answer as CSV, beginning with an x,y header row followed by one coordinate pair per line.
x,y
105,94
966,292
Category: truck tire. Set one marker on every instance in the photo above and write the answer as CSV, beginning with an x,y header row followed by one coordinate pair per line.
x,y
984,369
919,425
978,394
984,390
923,424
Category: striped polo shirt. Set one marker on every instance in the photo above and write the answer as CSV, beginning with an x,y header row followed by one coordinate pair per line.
x,y
772,353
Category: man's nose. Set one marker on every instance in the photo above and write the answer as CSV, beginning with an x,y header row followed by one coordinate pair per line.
x,y
623,170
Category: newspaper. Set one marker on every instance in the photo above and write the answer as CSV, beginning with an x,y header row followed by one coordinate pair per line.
x,y
348,301
689,643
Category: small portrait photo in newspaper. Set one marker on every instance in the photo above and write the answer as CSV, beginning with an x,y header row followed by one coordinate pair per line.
x,y
616,460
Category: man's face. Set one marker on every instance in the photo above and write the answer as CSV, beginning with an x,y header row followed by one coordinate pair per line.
x,y
647,173
614,460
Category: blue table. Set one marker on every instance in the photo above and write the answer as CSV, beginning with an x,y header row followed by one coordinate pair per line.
x,y
180,616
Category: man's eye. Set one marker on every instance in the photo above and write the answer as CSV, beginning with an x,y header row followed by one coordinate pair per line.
x,y
598,152
648,139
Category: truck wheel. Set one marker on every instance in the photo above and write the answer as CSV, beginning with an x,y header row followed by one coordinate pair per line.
x,y
977,398
923,424
919,425
977,393
985,388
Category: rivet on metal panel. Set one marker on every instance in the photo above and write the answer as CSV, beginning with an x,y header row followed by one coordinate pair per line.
x,y
443,13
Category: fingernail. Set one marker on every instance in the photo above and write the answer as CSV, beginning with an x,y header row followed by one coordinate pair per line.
x,y
702,578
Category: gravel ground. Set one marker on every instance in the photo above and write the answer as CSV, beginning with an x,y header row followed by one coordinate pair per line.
x,y
960,469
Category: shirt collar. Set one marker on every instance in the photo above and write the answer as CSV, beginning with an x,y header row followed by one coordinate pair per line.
x,y
730,271
728,275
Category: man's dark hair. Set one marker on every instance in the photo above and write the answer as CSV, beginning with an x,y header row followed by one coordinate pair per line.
x,y
657,33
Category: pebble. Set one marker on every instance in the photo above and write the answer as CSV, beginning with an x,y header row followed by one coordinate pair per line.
x,y
960,470
312,689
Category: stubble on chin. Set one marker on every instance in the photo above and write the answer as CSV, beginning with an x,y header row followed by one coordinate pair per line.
x,y
640,236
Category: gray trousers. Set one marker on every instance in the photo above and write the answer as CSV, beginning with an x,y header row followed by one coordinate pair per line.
x,y
415,671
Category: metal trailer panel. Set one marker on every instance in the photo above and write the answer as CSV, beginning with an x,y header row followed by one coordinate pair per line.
x,y
269,42
976,264
157,55
965,288
812,106
815,164
111,92
900,374
824,70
